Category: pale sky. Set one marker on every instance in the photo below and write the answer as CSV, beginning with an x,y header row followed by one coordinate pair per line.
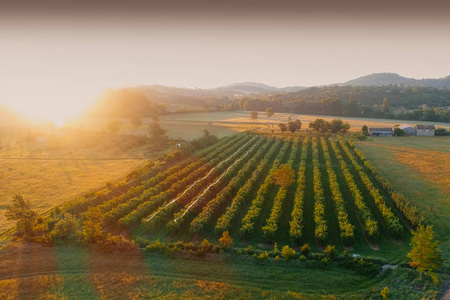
x,y
56,61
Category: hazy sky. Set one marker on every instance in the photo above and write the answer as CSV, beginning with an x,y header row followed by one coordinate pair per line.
x,y
56,56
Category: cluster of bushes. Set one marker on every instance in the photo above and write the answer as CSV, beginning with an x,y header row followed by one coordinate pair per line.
x,y
335,126
248,222
320,231
295,225
392,222
346,229
370,225
412,213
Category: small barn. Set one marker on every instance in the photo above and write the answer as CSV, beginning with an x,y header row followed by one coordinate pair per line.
x,y
425,130
381,131
408,129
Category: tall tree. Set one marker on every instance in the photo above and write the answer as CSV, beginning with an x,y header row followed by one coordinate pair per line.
x,y
270,112
253,115
425,255
156,132
283,127
21,211
92,225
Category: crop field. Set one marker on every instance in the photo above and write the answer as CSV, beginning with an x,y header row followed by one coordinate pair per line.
x,y
337,198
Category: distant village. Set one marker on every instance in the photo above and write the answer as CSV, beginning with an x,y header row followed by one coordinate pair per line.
x,y
405,129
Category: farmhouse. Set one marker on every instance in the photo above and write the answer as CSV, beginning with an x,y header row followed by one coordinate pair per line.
x,y
425,130
381,132
408,129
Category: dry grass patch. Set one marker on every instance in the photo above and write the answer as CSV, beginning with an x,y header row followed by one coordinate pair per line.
x,y
434,166
211,286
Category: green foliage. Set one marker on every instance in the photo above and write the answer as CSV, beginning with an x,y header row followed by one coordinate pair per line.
x,y
337,125
270,112
253,115
226,240
425,255
399,132
287,252
294,125
365,130
305,249
156,133
385,293
283,127
66,228
92,225
319,125
21,211
330,252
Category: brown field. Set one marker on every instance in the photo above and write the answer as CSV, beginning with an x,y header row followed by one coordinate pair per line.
x,y
56,168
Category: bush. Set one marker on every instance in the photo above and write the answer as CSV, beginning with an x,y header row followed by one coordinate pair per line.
x,y
263,255
116,242
305,249
226,240
65,229
287,252
385,293
330,252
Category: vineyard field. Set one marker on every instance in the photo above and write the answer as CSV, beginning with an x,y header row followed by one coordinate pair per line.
x,y
336,197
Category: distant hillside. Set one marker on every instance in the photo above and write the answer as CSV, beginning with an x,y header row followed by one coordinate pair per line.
x,y
380,79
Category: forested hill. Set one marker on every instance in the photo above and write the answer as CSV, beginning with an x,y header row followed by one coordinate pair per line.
x,y
380,79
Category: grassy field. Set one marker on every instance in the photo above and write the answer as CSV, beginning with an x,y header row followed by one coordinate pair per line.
x,y
30,271
59,167
420,169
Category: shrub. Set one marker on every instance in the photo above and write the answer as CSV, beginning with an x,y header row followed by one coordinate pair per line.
x,y
287,252
305,249
385,293
65,229
116,242
263,255
226,240
330,252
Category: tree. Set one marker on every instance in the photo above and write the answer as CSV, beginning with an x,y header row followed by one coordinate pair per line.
x,y
226,240
365,130
253,115
113,126
65,228
399,132
92,225
270,112
283,127
294,125
319,125
424,255
156,132
136,121
20,211
386,104
284,175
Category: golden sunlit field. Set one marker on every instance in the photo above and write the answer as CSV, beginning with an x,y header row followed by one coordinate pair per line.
x,y
419,167
49,169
